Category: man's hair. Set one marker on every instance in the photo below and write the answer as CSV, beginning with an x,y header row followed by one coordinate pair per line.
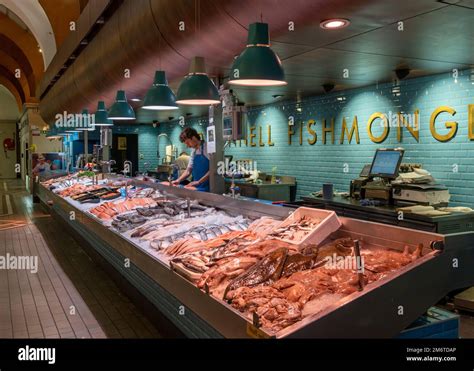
x,y
184,153
188,133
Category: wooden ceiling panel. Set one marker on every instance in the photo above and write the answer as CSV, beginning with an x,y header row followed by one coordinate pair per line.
x,y
16,41
14,58
60,13
12,66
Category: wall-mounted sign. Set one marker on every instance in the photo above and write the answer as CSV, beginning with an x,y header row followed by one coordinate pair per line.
x,y
211,139
403,123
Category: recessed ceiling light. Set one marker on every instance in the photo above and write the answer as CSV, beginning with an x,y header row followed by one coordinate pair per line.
x,y
334,23
136,100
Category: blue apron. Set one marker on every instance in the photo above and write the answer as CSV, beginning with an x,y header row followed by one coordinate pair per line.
x,y
200,168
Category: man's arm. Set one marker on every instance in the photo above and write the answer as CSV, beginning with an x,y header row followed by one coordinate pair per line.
x,y
204,178
183,176
199,181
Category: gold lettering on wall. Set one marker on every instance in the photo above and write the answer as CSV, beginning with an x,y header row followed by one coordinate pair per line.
x,y
252,136
270,143
260,142
403,123
328,130
372,118
345,131
470,120
311,132
290,133
452,125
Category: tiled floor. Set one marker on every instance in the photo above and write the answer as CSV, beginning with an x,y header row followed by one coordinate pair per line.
x,y
70,296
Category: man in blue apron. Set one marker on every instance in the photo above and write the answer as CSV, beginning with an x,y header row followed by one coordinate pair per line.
x,y
198,163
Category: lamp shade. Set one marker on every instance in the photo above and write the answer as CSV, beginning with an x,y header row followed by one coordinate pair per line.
x,y
85,122
257,65
101,115
197,88
160,96
121,110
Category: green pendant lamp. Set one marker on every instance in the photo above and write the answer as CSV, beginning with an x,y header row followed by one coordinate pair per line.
x,y
101,115
257,65
85,123
160,96
197,88
121,110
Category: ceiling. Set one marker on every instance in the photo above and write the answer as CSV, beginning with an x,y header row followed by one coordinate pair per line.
x,y
30,33
436,37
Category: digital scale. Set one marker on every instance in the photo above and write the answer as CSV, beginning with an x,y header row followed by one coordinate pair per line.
x,y
384,169
423,194
376,182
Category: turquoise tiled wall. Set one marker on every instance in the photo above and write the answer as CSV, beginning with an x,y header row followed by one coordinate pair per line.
x,y
148,138
450,163
336,163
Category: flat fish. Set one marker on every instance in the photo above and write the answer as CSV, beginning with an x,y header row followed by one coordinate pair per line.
x,y
267,269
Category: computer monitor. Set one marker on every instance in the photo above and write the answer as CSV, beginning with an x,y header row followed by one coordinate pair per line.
x,y
365,171
386,163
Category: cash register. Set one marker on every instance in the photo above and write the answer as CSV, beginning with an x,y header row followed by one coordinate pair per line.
x,y
383,170
356,190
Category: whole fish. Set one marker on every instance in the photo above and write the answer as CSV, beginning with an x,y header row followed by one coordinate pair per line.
x,y
267,269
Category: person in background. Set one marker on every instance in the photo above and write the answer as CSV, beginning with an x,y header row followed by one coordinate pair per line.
x,y
182,163
198,165
42,166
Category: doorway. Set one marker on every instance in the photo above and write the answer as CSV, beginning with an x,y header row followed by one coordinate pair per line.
x,y
124,147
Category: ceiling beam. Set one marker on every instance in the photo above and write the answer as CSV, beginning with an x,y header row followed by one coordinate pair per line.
x,y
20,43
34,16
12,89
13,62
11,77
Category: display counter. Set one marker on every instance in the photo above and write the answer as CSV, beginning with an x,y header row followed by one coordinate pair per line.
x,y
263,191
446,224
371,312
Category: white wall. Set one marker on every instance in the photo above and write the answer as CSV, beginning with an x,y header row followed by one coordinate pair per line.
x,y
8,158
8,116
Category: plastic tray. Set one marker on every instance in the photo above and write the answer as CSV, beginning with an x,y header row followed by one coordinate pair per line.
x,y
329,224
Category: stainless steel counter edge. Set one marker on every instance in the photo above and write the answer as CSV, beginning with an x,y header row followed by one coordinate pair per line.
x,y
227,321
372,313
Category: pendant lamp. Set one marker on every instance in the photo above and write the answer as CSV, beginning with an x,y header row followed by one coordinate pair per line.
x,y
121,110
101,116
197,88
160,96
257,65
85,123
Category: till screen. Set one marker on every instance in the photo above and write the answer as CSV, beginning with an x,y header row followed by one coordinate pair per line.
x,y
385,163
